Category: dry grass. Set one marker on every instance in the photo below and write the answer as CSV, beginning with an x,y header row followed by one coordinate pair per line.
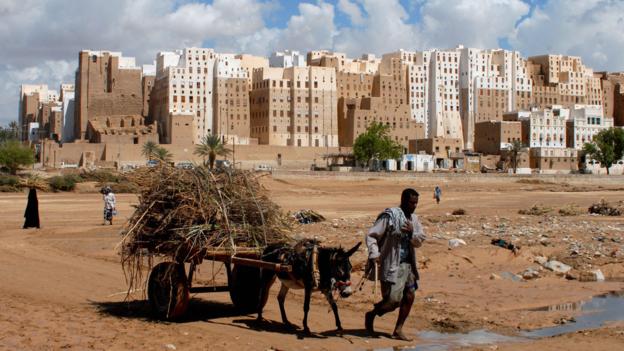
x,y
570,210
536,210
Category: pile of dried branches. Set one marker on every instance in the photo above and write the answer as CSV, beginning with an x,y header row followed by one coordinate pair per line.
x,y
183,213
605,209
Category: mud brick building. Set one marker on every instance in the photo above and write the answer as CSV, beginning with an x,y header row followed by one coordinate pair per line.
x,y
107,84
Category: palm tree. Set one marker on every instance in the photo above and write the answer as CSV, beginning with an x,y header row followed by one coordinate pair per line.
x,y
14,128
163,154
516,148
149,150
211,147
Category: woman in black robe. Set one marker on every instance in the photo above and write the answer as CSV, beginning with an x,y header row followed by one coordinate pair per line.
x,y
32,210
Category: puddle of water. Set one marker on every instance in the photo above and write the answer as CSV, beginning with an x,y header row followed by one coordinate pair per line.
x,y
435,341
593,314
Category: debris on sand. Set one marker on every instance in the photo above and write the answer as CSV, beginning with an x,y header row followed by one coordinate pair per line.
x,y
605,209
454,243
308,216
459,212
557,267
505,245
530,273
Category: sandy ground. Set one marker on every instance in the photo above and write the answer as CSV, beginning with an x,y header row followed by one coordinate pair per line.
x,y
63,286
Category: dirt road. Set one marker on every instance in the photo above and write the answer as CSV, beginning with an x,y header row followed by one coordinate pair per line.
x,y
63,287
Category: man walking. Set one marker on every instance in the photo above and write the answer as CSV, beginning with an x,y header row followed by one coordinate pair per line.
x,y
437,194
391,242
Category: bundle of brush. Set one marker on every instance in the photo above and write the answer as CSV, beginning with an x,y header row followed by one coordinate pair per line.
x,y
182,213
34,182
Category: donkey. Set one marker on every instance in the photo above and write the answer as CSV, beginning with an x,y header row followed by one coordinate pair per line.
x,y
326,269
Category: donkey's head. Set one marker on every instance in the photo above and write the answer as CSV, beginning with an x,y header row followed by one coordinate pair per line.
x,y
340,270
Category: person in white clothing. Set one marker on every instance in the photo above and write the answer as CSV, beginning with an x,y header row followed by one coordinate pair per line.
x,y
110,203
391,246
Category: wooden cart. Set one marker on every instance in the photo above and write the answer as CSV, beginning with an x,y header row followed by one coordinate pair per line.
x,y
169,286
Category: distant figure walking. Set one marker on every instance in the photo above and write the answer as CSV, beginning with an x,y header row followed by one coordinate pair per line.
x,y
109,204
437,194
31,214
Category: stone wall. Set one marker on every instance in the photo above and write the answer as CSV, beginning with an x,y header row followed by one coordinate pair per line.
x,y
245,156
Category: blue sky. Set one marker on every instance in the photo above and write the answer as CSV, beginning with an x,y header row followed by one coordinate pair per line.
x,y
41,39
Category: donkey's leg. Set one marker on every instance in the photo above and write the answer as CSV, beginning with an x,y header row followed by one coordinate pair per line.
x,y
266,281
334,306
281,297
306,308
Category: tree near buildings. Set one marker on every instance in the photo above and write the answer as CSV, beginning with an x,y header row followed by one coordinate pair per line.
x,y
13,126
376,143
149,150
607,147
515,149
163,154
9,133
211,147
14,155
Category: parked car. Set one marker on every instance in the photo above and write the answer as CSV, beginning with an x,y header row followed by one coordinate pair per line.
x,y
223,164
263,167
152,163
185,165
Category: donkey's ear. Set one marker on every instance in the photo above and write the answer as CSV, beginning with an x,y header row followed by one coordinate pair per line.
x,y
353,249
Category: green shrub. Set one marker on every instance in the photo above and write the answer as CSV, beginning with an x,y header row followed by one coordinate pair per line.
x,y
102,176
14,155
64,183
9,180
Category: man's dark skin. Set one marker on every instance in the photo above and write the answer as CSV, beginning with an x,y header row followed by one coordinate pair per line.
x,y
407,301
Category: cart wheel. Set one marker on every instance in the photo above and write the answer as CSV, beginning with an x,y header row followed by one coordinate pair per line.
x,y
168,290
245,288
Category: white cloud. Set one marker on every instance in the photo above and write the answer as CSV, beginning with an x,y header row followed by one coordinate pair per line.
x,y
384,29
313,28
386,25
590,29
472,23
352,10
